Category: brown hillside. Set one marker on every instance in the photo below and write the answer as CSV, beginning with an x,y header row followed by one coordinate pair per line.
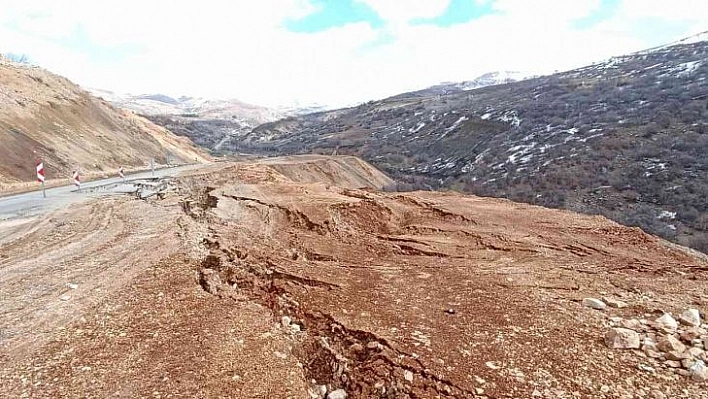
x,y
46,116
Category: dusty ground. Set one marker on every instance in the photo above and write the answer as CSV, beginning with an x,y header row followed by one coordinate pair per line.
x,y
417,295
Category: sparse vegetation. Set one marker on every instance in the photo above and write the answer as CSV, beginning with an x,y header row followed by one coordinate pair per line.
x,y
626,139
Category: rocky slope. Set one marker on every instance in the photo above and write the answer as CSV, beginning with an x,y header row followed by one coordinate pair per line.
x,y
212,124
625,138
296,277
45,116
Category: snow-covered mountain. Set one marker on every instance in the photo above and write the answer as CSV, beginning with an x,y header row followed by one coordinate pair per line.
x,y
493,79
162,105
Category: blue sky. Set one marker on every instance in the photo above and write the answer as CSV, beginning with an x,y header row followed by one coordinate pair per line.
x,y
334,52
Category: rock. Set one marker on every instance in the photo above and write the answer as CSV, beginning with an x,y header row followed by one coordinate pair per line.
x,y
669,343
65,297
667,322
450,311
695,353
594,303
646,368
687,363
614,303
692,333
632,324
210,281
356,348
72,286
493,365
622,338
675,355
674,364
408,375
295,328
372,345
337,394
691,317
699,371
658,395
285,321
322,390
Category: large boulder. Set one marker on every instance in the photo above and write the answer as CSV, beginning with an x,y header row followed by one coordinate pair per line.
x,y
594,303
691,317
622,338
670,343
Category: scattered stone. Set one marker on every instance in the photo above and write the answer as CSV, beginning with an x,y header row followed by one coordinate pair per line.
x,y
356,348
699,371
632,324
450,311
337,394
322,390
594,303
658,395
295,328
614,303
479,391
695,352
285,321
692,333
65,297
210,280
673,364
493,365
675,355
667,322
72,286
622,338
691,317
687,363
408,375
644,367
373,345
669,343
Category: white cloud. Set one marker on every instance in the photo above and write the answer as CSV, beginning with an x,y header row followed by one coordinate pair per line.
x,y
241,49
403,11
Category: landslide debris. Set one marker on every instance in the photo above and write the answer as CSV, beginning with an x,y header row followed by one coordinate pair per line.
x,y
279,283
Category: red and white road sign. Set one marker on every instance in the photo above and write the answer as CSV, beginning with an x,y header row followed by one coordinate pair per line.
x,y
120,172
40,171
77,180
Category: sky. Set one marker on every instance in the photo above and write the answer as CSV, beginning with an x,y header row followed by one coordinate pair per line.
x,y
328,52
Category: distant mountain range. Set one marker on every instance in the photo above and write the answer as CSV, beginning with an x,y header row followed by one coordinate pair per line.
x,y
626,138
210,123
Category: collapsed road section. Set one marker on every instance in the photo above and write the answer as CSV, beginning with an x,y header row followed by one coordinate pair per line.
x,y
298,278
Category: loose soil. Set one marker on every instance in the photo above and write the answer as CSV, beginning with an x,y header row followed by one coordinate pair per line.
x,y
395,295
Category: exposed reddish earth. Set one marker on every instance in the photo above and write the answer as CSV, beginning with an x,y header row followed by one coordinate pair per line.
x,y
418,295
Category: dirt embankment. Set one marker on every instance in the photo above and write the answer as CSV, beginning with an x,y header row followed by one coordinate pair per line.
x,y
44,116
261,281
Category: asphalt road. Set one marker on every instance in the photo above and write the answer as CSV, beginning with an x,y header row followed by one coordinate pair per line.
x,y
33,203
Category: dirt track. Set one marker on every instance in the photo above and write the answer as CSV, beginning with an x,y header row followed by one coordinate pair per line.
x,y
395,295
